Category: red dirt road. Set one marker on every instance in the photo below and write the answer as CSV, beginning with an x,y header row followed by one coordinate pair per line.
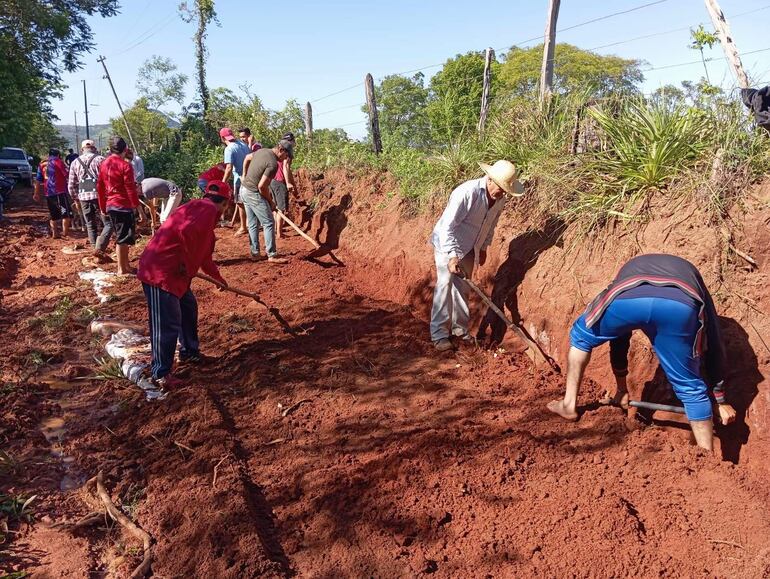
x,y
397,463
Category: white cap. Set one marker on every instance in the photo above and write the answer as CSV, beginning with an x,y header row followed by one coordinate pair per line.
x,y
87,144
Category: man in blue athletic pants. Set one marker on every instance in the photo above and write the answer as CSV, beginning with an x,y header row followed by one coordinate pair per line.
x,y
666,298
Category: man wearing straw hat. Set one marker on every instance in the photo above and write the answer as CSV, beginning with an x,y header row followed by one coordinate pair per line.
x,y
460,240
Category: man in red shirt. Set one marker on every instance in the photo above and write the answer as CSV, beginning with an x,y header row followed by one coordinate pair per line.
x,y
214,173
117,196
183,244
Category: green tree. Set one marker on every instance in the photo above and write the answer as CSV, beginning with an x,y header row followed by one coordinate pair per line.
x,y
202,13
159,81
574,69
700,40
150,128
39,40
402,103
455,95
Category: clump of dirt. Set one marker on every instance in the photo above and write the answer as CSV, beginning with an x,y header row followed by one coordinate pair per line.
x,y
352,448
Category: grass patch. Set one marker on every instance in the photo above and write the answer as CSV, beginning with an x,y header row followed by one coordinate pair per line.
x,y
16,508
56,319
107,369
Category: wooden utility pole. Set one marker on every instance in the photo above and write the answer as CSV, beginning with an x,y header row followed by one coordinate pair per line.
x,y
485,92
723,31
120,106
549,45
76,130
85,102
374,119
309,123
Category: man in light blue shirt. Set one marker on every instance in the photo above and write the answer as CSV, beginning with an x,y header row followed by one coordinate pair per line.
x,y
235,153
460,240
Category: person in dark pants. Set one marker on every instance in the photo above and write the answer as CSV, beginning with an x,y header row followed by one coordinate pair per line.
x,y
665,297
183,244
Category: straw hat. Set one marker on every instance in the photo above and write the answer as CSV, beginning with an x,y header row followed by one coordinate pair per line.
x,y
504,174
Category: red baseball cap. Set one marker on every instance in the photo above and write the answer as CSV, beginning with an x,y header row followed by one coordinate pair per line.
x,y
218,188
227,134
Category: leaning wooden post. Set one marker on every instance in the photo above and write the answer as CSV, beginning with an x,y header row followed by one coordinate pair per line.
x,y
485,92
549,45
309,123
374,120
723,31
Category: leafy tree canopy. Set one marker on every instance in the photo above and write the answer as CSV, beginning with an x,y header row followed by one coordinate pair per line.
x,y
159,81
40,39
574,69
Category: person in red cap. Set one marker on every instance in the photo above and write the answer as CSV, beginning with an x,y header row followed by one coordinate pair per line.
x,y
183,244
235,153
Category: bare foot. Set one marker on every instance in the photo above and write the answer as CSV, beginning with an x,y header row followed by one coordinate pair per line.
x,y
240,232
619,399
557,407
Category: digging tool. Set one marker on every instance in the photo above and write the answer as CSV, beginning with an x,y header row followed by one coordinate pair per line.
x,y
654,406
296,228
534,351
273,311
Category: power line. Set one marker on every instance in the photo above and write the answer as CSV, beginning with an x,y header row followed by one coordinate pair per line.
x,y
338,92
338,109
149,33
700,61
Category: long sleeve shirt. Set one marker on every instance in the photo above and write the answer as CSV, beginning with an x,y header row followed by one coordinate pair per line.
x,y
115,187
183,245
138,165
78,173
468,222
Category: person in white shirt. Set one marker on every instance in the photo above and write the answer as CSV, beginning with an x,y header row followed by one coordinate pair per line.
x,y
460,239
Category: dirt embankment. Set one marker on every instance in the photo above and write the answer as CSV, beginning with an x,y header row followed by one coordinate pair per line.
x,y
351,449
546,273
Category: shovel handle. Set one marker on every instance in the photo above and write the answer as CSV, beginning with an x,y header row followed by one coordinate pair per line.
x,y
296,228
229,288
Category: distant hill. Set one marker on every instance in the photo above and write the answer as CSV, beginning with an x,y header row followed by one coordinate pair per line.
x,y
96,131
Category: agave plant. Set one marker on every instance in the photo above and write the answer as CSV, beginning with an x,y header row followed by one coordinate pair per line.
x,y
648,144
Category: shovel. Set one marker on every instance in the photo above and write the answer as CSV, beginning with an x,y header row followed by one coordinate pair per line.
x,y
534,351
273,311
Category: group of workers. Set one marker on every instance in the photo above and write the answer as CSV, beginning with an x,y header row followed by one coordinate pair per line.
x,y
662,295
106,194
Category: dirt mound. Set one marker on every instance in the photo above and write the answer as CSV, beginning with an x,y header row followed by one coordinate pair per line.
x,y
353,449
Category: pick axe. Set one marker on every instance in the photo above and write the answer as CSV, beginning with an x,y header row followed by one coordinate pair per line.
x,y
534,351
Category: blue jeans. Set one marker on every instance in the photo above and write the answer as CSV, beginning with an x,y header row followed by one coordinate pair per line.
x,y
258,213
172,319
671,327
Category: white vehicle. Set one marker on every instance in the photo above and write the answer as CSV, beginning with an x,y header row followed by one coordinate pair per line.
x,y
15,163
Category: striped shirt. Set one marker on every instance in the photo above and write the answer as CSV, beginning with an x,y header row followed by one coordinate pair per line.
x,y
78,173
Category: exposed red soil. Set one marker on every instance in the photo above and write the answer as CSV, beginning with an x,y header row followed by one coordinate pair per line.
x,y
398,463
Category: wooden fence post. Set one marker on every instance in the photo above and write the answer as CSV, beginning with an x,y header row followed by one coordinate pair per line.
x,y
309,123
374,120
723,31
549,44
485,92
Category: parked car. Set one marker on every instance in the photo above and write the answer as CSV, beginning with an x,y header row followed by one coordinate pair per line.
x,y
16,163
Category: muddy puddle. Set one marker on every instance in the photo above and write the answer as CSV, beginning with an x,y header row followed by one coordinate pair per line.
x,y
54,429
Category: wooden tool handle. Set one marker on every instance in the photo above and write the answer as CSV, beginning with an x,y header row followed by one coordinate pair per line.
x,y
296,228
229,288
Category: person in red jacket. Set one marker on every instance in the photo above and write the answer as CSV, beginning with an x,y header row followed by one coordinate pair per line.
x,y
183,244
117,196
214,173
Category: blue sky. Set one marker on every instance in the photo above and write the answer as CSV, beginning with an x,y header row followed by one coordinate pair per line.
x,y
309,49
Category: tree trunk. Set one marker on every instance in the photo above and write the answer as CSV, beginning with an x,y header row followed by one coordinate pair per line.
x,y
200,55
